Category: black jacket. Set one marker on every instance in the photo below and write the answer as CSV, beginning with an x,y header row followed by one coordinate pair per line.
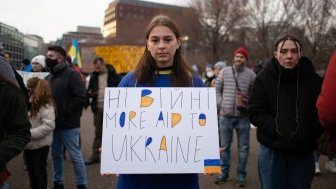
x,y
113,80
4,71
14,123
283,107
69,94
23,88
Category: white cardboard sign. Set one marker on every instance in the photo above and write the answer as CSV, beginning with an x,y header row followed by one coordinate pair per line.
x,y
27,75
160,130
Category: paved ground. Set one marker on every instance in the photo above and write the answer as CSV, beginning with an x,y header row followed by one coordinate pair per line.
x,y
19,178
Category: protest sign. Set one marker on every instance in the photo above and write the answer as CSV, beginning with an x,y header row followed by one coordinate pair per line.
x,y
27,75
160,130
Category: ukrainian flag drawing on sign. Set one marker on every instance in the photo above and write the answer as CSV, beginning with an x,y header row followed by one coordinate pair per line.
x,y
74,52
212,166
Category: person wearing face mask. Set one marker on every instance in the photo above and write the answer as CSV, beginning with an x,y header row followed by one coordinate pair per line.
x,y
282,106
69,94
51,63
234,83
209,76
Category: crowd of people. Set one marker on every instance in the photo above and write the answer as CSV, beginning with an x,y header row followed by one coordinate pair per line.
x,y
287,101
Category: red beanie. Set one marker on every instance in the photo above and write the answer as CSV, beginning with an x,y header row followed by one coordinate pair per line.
x,y
243,51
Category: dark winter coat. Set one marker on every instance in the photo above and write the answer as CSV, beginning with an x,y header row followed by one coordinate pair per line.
x,y
283,107
113,80
69,94
8,71
14,123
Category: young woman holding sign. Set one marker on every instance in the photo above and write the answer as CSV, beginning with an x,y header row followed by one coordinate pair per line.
x,y
161,65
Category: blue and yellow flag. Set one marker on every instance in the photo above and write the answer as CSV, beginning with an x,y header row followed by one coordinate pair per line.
x,y
74,52
212,166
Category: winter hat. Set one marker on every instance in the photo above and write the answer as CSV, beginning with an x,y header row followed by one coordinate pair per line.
x,y
39,59
243,51
220,64
209,66
195,68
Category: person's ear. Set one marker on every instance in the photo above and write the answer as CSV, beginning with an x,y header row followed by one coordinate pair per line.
x,y
300,53
60,59
147,45
179,42
275,54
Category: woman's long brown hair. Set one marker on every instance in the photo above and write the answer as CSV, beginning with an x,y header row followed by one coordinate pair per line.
x,y
41,95
145,71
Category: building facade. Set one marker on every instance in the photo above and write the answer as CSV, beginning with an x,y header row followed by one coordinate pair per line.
x,y
126,20
33,45
12,41
84,35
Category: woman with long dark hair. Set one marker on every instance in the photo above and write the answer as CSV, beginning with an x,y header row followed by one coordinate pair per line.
x,y
161,65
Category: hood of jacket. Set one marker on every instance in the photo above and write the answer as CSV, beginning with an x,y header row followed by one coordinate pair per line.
x,y
303,70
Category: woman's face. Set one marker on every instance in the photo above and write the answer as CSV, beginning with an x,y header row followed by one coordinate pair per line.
x,y
162,44
288,54
37,67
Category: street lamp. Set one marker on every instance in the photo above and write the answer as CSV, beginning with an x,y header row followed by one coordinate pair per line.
x,y
184,40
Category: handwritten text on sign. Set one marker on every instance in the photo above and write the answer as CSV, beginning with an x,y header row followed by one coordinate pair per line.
x,y
27,75
160,130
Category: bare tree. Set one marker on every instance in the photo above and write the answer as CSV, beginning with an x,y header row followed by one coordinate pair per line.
x,y
217,18
316,18
268,20
327,48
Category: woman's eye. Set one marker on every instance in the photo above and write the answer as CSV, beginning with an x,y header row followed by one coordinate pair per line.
x,y
283,51
154,41
167,40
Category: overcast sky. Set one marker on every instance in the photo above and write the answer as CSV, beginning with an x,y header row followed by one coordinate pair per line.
x,y
51,18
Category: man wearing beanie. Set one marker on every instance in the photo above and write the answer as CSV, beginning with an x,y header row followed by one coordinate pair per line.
x,y
233,86
38,63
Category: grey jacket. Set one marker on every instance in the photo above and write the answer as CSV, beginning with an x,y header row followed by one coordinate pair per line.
x,y
226,89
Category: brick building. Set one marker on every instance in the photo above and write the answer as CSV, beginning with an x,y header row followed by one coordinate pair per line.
x,y
126,20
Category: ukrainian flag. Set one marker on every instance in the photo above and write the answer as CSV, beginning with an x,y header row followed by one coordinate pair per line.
x,y
74,52
212,166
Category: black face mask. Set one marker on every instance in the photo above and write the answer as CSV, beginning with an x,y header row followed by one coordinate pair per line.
x,y
51,63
